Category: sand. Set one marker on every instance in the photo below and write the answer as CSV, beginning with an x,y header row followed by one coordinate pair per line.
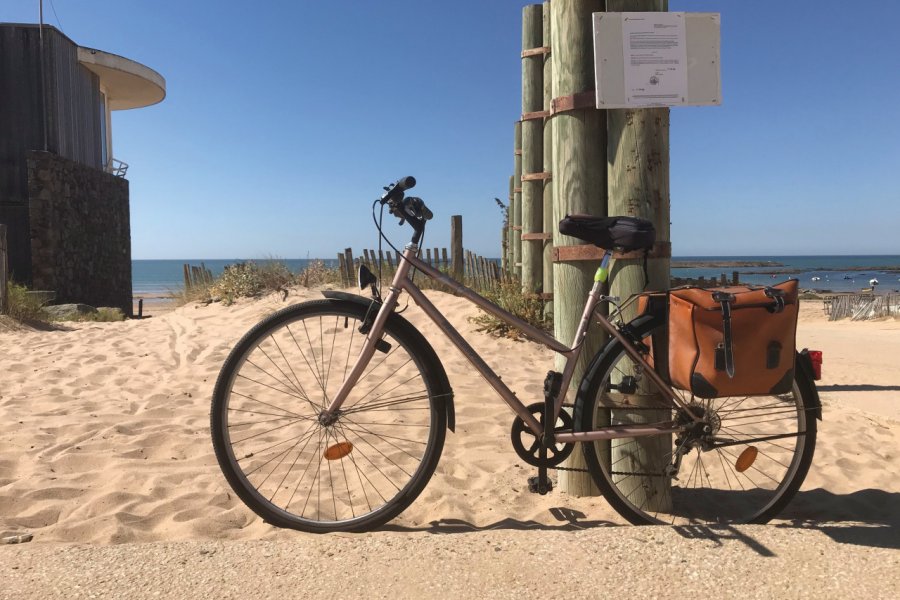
x,y
106,441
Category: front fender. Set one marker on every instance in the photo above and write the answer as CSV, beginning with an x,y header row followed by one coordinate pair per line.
x,y
445,393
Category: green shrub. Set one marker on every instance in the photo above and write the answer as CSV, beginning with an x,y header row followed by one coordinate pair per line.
x,y
22,306
510,297
316,273
104,314
241,280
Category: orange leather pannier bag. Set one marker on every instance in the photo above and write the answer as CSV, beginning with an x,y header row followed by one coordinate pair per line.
x,y
733,341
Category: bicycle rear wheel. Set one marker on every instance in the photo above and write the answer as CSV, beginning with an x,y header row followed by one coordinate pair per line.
x,y
354,472
744,469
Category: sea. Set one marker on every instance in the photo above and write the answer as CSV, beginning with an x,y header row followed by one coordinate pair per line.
x,y
835,273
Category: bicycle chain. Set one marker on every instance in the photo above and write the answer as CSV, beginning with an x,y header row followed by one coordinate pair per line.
x,y
558,468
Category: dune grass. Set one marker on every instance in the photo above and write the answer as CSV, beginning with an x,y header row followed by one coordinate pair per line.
x,y
28,309
510,297
253,279
23,307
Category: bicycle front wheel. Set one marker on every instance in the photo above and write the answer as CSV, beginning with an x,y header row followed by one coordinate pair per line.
x,y
742,465
351,473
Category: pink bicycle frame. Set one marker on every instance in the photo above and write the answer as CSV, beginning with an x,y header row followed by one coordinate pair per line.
x,y
402,282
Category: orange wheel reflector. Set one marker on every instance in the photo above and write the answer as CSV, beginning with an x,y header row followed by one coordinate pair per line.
x,y
339,450
746,459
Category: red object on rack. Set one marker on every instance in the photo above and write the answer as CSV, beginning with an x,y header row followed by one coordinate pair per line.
x,y
815,356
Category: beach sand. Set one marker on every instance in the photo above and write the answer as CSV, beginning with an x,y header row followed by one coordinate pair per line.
x,y
106,442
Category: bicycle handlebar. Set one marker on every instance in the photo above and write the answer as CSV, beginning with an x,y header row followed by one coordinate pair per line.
x,y
410,209
396,189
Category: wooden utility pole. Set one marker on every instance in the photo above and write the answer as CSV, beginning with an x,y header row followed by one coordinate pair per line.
x,y
532,148
579,181
638,159
509,222
548,222
517,204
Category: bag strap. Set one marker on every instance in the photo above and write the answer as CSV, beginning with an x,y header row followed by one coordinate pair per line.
x,y
725,299
646,276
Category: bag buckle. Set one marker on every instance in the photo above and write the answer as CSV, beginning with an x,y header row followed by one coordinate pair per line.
x,y
778,296
723,297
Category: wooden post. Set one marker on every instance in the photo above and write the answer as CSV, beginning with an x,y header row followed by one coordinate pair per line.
x,y
187,277
579,181
723,280
390,262
483,269
517,204
638,171
456,247
532,149
428,256
4,272
342,268
444,262
735,278
549,224
351,270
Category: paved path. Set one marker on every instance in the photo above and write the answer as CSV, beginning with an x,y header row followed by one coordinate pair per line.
x,y
639,562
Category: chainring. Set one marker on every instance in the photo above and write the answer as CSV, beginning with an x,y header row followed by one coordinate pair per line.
x,y
528,446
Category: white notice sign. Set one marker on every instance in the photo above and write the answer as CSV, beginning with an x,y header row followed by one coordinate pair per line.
x,y
655,56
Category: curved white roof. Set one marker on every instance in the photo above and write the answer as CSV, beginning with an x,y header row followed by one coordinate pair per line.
x,y
128,84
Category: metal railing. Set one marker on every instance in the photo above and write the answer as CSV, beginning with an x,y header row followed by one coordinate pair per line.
x,y
116,167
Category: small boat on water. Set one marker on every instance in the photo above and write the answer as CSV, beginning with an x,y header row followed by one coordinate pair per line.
x,y
848,277
816,279
873,282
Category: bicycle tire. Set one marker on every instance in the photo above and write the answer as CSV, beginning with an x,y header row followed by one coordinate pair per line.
x,y
362,454
736,485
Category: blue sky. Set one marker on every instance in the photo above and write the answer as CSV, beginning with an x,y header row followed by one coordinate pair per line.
x,y
283,119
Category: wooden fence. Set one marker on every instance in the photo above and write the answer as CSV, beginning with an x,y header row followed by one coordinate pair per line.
x,y
478,272
196,276
4,273
861,307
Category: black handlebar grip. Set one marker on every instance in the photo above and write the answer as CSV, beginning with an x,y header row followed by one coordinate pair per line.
x,y
405,183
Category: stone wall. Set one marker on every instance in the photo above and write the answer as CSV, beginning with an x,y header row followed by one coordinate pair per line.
x,y
80,232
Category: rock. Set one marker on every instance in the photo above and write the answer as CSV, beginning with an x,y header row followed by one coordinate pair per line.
x,y
60,311
17,539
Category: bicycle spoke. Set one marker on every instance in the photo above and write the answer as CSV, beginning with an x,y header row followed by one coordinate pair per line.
x,y
286,393
387,404
296,466
306,361
269,404
708,488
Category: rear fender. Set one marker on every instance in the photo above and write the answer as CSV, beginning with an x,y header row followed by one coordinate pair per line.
x,y
445,393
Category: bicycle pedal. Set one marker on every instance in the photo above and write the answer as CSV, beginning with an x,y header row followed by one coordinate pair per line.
x,y
536,486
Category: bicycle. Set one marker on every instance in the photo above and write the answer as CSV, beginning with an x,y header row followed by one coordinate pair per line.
x,y
331,415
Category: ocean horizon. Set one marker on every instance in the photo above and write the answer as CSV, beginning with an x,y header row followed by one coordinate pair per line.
x,y
836,273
